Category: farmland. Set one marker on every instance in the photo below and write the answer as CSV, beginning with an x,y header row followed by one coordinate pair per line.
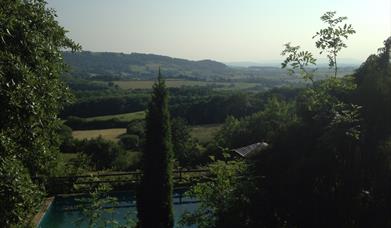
x,y
122,117
109,134
203,133
147,84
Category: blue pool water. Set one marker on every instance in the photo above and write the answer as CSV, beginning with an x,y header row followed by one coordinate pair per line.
x,y
63,214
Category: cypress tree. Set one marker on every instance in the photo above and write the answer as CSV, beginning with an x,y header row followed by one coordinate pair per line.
x,y
154,198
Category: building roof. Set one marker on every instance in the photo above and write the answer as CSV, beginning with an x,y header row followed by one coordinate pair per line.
x,y
247,150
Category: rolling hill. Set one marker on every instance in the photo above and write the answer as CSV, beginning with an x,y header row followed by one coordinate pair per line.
x,y
141,66
136,66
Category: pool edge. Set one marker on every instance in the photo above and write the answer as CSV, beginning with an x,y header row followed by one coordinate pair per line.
x,y
44,208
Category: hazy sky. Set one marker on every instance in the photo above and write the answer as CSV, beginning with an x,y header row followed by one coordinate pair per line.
x,y
223,30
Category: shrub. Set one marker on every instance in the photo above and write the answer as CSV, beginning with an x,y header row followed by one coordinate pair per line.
x,y
18,195
136,127
101,152
127,160
129,141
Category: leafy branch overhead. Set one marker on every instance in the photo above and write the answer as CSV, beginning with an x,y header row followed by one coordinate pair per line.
x,y
298,60
331,39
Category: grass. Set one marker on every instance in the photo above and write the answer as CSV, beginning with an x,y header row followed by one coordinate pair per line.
x,y
109,134
205,133
123,117
147,84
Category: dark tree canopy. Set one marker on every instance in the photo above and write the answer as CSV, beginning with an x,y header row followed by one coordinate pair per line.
x,y
154,201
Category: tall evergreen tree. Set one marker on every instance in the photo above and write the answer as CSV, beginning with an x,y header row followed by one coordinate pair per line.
x,y
154,198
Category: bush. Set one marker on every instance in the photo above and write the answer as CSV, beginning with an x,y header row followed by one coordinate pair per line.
x,y
64,132
101,152
18,195
136,127
71,146
223,199
129,141
127,161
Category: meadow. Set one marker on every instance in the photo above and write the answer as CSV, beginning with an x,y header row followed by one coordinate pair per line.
x,y
203,133
122,117
109,134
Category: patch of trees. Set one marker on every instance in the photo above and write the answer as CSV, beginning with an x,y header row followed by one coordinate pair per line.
x,y
98,106
100,154
77,123
193,105
187,152
95,99
213,109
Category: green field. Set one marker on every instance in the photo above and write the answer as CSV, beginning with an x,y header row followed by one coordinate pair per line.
x,y
109,134
123,117
139,84
203,133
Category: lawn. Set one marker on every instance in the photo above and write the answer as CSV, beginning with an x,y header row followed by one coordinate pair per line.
x,y
109,134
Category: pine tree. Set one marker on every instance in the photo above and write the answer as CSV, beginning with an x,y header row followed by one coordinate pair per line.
x,y
154,198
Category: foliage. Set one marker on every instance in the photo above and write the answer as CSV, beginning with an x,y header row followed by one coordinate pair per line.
x,y
154,198
300,60
91,104
223,200
31,95
77,123
102,153
127,161
19,196
98,208
129,141
136,127
328,163
31,92
185,149
69,164
334,162
331,38
65,136
373,80
265,125
214,109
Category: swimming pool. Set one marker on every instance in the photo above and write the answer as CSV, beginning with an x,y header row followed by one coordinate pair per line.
x,y
63,212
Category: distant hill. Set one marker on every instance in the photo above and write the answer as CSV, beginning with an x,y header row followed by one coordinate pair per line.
x,y
114,66
141,66
322,62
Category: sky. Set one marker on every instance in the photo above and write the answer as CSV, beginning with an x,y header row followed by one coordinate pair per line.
x,y
222,30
